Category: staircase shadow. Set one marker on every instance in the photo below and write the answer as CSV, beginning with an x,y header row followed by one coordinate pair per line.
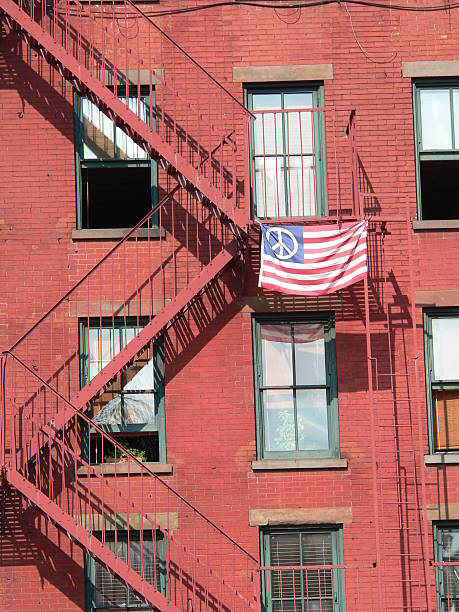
x,y
28,540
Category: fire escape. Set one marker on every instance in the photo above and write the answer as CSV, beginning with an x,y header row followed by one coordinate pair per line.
x,y
197,132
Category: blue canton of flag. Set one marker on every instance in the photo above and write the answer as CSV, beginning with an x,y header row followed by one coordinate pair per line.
x,y
283,242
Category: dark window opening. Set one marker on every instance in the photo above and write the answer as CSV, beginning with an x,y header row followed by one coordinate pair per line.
x,y
439,193
144,448
116,180
436,105
115,197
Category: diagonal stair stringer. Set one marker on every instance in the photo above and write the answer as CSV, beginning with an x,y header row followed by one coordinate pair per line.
x,y
150,332
188,176
90,543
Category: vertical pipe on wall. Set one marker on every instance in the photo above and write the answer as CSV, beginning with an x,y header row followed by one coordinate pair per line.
x,y
419,412
374,467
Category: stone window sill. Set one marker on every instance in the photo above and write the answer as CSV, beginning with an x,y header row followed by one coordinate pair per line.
x,y
116,234
440,224
442,459
108,469
300,464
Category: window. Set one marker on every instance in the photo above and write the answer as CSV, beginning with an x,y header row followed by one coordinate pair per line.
x,y
302,589
116,180
132,408
106,592
442,374
296,394
437,147
288,162
446,541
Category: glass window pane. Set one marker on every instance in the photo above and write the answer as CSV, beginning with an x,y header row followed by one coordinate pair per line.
x,y
142,378
276,351
446,419
456,117
299,129
301,186
449,551
285,550
266,101
298,99
309,344
270,187
445,338
268,134
435,119
449,544
312,418
98,133
103,346
279,420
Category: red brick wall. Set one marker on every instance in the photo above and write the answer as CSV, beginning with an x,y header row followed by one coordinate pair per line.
x,y
209,381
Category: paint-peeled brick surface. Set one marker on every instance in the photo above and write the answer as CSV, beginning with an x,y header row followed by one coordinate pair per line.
x,y
210,415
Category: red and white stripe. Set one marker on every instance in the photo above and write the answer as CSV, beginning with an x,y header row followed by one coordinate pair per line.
x,y
334,257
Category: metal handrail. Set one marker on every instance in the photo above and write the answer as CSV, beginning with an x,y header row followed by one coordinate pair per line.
x,y
131,457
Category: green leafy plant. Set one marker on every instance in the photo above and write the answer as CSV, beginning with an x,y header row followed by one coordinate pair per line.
x,y
139,454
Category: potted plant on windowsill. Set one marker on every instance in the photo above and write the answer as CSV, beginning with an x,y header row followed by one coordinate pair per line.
x,y
121,457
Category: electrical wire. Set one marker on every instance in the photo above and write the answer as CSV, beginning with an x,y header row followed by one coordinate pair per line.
x,y
360,46
289,4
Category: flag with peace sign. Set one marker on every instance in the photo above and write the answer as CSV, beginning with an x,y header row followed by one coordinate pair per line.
x,y
312,259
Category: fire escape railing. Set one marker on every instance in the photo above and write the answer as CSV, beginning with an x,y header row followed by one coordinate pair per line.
x,y
291,178
200,563
142,277
196,129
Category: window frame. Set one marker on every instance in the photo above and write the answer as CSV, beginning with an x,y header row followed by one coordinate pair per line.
x,y
106,162
428,315
158,368
337,555
331,385
316,88
438,528
433,155
90,569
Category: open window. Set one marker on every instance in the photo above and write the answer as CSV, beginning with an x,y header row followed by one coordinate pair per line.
x,y
131,409
116,180
436,106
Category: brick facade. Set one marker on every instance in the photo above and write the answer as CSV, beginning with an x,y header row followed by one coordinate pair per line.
x,y
209,398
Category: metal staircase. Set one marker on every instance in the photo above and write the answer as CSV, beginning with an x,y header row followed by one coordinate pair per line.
x,y
197,131
179,259
47,437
